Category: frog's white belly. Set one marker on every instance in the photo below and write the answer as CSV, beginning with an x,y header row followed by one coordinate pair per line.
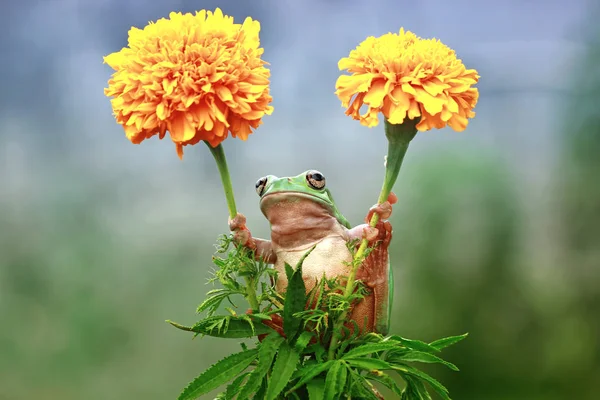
x,y
329,258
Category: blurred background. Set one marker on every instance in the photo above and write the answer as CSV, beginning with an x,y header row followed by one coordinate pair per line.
x,y
496,233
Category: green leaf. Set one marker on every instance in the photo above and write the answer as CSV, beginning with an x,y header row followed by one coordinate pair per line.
x,y
318,350
303,341
216,297
437,386
234,387
370,348
262,391
387,381
227,326
369,364
295,301
361,389
419,356
414,344
266,353
316,388
220,373
285,364
414,390
335,380
261,317
310,373
449,341
418,387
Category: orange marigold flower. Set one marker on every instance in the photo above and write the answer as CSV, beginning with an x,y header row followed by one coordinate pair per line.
x,y
196,76
403,75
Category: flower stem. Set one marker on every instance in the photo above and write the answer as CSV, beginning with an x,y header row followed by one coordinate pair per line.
x,y
219,155
399,137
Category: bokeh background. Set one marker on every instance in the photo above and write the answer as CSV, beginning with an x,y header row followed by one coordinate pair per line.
x,y
497,230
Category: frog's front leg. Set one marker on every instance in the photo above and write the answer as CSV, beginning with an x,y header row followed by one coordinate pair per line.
x,y
263,248
375,270
365,231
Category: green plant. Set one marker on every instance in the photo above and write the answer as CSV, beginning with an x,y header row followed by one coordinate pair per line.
x,y
291,357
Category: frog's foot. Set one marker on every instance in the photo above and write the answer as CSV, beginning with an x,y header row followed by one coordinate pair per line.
x,y
363,231
237,223
384,210
384,233
241,234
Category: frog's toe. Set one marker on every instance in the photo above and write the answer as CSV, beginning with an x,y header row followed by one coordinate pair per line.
x,y
242,236
384,210
237,223
370,233
392,198
386,232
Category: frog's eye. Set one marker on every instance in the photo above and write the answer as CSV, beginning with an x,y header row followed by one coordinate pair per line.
x,y
315,179
261,184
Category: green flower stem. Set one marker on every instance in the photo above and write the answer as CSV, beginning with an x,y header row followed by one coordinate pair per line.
x,y
219,156
399,137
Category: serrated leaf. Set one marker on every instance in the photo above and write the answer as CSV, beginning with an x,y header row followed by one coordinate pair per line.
x,y
218,374
234,387
370,348
435,385
231,327
303,341
361,389
285,365
260,394
419,388
449,341
318,350
266,352
335,380
261,317
216,297
369,364
420,356
310,373
295,301
315,389
387,381
414,344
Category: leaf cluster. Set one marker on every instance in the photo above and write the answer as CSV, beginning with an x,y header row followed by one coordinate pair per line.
x,y
290,358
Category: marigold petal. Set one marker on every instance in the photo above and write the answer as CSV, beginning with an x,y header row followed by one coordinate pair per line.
x,y
376,93
433,105
397,113
458,122
354,108
435,88
161,111
414,110
115,60
224,93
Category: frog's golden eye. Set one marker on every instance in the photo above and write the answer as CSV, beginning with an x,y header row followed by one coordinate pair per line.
x,y
261,184
315,179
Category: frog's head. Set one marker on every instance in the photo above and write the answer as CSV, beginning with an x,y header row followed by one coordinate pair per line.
x,y
308,185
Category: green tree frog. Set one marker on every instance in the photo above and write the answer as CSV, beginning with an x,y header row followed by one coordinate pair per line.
x,y
302,214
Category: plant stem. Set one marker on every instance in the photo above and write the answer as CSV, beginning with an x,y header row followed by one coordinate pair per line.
x,y
219,155
399,137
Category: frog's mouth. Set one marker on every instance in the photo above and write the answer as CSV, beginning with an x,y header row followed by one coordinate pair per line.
x,y
289,198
